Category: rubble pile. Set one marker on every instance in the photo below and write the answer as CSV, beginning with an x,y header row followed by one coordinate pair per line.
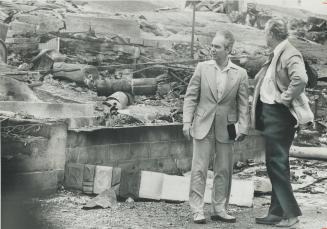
x,y
67,54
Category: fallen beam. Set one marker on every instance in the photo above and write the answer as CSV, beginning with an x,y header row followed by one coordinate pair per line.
x,y
309,152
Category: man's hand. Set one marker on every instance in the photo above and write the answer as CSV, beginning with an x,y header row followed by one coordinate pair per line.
x,y
240,137
186,130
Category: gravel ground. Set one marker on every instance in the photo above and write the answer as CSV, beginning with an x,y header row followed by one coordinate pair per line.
x,y
63,210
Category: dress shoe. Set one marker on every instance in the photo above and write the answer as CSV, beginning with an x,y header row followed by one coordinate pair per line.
x,y
288,222
199,218
224,217
269,219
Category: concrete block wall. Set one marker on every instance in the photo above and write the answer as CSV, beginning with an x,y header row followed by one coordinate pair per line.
x,y
152,148
33,163
155,148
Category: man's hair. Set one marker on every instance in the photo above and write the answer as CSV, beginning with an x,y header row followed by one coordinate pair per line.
x,y
229,37
278,27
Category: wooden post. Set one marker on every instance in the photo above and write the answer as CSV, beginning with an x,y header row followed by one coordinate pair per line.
x,y
193,25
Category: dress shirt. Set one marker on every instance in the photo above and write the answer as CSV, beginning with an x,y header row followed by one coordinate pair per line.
x,y
221,77
268,89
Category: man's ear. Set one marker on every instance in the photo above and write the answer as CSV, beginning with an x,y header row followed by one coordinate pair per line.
x,y
229,50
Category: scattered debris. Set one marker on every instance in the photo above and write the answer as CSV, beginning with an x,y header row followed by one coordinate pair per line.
x,y
106,199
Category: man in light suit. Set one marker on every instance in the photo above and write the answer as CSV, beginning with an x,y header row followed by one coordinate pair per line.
x,y
279,105
215,100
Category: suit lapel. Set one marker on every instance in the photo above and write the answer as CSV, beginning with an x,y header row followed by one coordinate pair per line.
x,y
211,78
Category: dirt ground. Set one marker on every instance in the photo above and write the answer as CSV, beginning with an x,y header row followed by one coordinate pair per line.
x,y
64,210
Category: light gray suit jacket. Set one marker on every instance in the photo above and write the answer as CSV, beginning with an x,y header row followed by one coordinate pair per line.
x,y
202,107
291,78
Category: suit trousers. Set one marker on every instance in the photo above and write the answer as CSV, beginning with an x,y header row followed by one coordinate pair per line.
x,y
278,131
222,153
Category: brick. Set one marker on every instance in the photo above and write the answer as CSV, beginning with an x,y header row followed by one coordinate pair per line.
x,y
129,135
176,133
184,164
116,175
130,183
74,175
102,179
149,135
164,133
175,188
97,154
72,155
139,150
151,185
178,149
88,187
128,165
119,152
89,173
82,155
167,165
159,150
150,165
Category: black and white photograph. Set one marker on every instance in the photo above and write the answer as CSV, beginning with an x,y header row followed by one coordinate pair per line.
x,y
154,114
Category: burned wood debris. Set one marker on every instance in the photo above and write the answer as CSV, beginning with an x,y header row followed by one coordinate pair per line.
x,y
65,53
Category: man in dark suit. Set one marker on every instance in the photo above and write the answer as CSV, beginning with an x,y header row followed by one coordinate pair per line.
x,y
216,99
279,106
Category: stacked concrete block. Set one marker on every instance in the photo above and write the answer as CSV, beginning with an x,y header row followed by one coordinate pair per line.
x,y
102,180
130,183
74,176
160,186
158,148
88,178
92,178
149,148
175,188
151,185
242,192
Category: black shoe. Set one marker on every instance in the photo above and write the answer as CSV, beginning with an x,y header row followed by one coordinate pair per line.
x,y
224,217
269,219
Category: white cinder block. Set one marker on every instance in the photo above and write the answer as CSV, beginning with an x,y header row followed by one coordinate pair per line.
x,y
102,179
175,188
242,192
151,185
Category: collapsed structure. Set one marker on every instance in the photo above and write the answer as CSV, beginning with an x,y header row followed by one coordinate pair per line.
x,y
82,87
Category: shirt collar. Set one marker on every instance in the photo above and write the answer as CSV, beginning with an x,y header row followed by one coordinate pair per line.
x,y
280,46
229,65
